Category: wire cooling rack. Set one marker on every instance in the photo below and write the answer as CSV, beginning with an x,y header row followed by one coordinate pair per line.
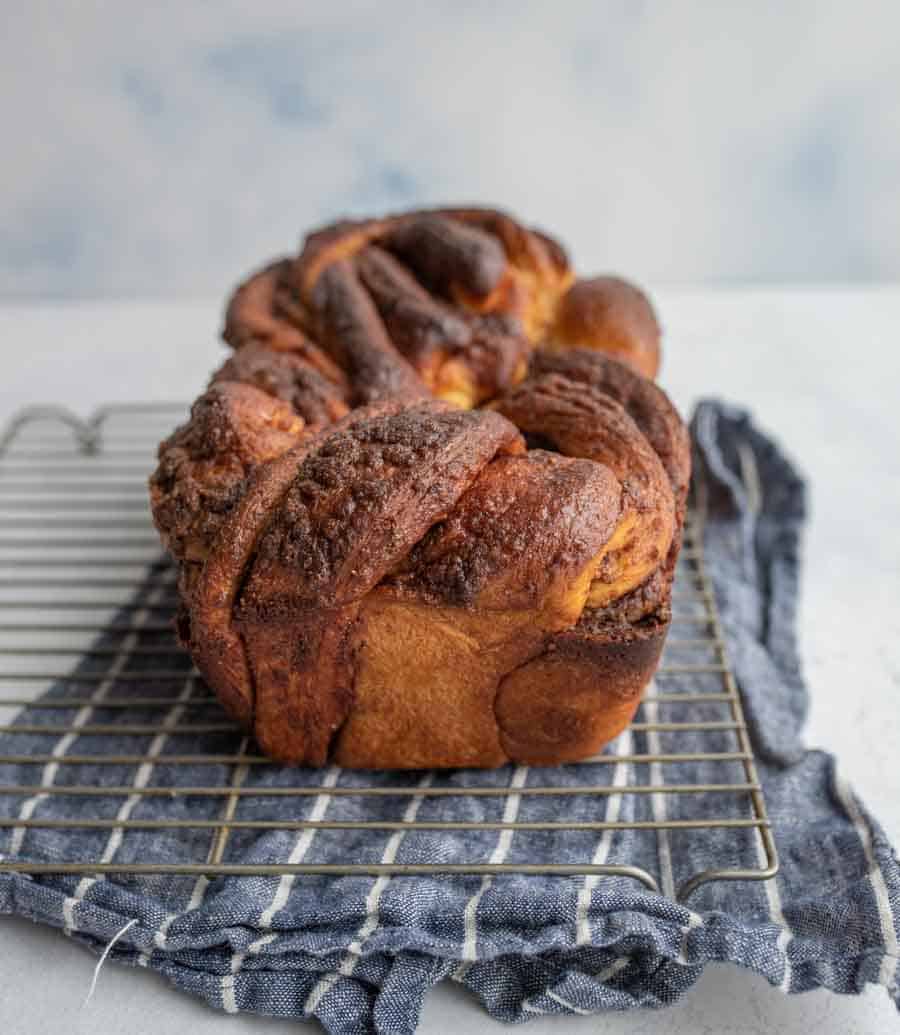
x,y
86,603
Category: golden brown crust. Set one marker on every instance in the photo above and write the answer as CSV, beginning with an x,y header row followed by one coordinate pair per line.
x,y
233,429
564,510
537,275
579,694
613,316
452,259
340,242
467,296
351,329
367,495
376,577
420,670
214,641
460,356
579,420
659,422
307,380
647,404
472,607
356,507
210,629
419,324
524,247
252,313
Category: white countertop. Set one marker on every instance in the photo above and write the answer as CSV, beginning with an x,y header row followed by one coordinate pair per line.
x,y
820,368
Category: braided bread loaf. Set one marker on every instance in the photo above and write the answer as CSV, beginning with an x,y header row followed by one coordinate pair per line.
x,y
422,517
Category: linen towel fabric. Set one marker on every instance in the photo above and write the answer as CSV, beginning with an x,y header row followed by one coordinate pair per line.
x,y
360,953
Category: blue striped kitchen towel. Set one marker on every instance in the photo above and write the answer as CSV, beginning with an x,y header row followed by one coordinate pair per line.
x,y
360,952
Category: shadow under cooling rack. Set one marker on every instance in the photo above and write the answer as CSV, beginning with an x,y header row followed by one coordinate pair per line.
x,y
101,714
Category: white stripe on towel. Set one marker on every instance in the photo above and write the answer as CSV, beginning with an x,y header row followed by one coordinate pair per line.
x,y
141,780
198,893
569,1006
617,964
694,920
285,882
302,846
622,746
51,769
886,974
470,927
776,912
354,949
753,485
661,815
658,801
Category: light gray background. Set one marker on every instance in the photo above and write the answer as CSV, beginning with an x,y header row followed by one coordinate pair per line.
x,y
818,367
161,149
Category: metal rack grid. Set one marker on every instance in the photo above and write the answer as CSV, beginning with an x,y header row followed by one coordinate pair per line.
x,y
80,562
